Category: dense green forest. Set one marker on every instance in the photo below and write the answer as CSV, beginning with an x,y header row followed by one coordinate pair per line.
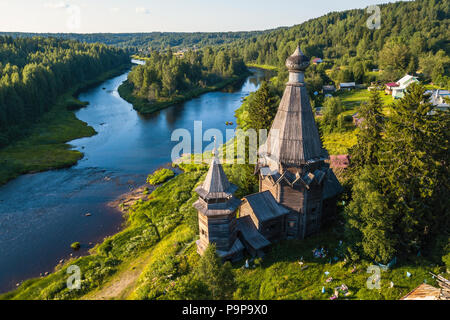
x,y
35,71
413,36
144,42
166,77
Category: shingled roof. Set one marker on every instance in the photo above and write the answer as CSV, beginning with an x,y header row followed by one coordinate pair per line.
x,y
250,234
294,138
217,209
265,207
423,292
216,184
331,185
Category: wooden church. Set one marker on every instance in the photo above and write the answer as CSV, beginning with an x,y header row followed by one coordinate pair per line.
x,y
298,189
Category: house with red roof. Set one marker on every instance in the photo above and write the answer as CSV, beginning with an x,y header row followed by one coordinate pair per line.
x,y
390,86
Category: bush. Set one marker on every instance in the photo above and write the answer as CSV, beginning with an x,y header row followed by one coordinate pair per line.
x,y
75,246
160,176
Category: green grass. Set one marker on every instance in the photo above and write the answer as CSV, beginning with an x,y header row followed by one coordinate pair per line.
x,y
339,142
161,233
75,245
145,107
353,98
160,176
147,223
280,275
45,147
261,66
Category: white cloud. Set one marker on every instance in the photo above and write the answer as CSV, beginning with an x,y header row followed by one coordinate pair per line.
x,y
57,5
114,10
141,10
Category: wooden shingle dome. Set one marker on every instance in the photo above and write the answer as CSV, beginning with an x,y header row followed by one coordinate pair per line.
x,y
297,62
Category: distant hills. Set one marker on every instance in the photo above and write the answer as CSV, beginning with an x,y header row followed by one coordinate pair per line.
x,y
136,42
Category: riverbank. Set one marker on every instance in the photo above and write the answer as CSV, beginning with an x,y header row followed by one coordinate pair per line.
x,y
149,221
45,147
155,257
144,107
261,66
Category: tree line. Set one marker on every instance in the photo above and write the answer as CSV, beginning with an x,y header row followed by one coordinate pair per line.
x,y
413,36
165,74
149,41
35,71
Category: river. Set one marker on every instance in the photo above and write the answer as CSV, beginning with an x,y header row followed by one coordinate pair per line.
x,y
41,214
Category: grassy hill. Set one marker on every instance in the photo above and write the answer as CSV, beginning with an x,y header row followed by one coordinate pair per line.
x,y
154,257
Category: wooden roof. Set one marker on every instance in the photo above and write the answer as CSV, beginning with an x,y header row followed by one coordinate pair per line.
x,y
217,209
294,138
265,207
250,234
297,61
423,292
235,248
216,184
331,185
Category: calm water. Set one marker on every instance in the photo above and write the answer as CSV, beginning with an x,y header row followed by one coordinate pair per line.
x,y
42,214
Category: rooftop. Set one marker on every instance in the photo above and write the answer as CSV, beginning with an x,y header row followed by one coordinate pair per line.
x,y
216,184
265,206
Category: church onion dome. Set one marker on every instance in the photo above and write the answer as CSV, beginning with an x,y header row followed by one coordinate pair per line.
x,y
297,62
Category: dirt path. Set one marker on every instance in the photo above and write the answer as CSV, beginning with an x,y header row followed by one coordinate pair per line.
x,y
121,285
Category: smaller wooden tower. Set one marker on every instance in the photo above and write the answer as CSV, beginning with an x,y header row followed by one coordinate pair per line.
x,y
217,213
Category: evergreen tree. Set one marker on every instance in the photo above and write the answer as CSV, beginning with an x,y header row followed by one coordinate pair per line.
x,y
262,108
369,220
414,167
332,107
365,152
217,276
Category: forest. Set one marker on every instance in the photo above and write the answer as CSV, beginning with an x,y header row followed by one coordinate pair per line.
x,y
35,71
413,35
146,42
166,76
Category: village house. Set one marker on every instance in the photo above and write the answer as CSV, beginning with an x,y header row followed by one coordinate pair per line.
x,y
341,161
438,97
390,86
399,90
427,292
328,89
317,61
347,86
297,188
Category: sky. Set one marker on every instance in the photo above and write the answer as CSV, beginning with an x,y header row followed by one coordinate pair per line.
x,y
89,16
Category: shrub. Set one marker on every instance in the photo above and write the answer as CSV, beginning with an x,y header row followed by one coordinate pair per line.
x,y
160,176
75,246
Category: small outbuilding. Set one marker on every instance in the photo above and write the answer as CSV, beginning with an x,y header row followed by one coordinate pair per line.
x,y
347,86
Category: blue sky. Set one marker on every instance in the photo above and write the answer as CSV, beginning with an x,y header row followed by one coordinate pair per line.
x,y
85,16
